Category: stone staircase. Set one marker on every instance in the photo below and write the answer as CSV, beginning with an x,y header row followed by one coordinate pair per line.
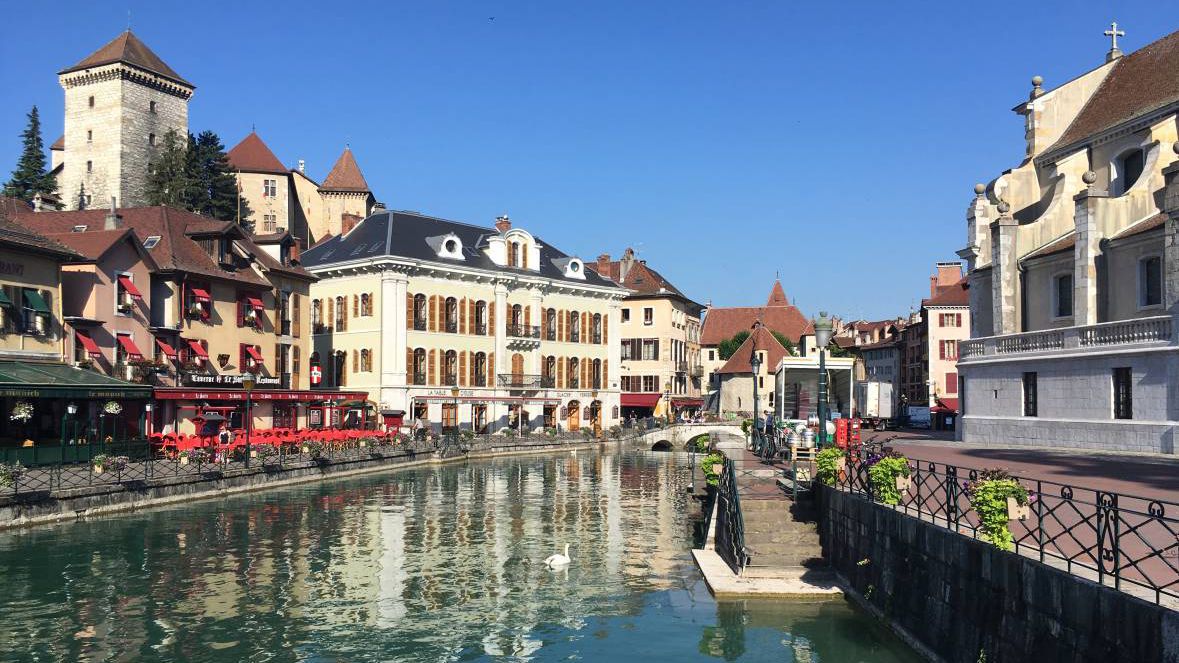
x,y
782,537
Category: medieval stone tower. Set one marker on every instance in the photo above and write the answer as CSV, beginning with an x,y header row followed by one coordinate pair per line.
x,y
119,103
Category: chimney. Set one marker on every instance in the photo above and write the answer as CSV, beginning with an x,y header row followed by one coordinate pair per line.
x,y
604,264
113,220
626,263
503,223
302,166
348,222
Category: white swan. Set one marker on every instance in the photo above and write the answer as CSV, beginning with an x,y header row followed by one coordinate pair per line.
x,y
558,560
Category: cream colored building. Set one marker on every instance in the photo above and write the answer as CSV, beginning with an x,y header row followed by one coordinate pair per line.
x,y
1073,267
464,325
659,331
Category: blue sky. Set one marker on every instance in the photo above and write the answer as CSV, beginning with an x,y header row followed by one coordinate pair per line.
x,y
834,143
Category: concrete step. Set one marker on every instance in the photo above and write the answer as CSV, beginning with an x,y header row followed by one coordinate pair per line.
x,y
780,535
771,545
786,561
753,522
810,574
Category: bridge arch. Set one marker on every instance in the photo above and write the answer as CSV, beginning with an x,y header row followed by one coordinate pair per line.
x,y
662,445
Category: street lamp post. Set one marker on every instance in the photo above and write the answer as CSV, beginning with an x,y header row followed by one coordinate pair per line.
x,y
248,383
755,364
822,338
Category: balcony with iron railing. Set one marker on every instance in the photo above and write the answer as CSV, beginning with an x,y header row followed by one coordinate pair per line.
x,y
681,367
524,381
523,331
1085,339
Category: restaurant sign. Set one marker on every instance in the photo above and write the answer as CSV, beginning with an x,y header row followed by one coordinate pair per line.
x,y
226,381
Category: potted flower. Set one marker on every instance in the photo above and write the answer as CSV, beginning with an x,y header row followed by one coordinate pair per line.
x,y
112,408
998,498
22,411
889,475
711,466
104,462
9,474
829,463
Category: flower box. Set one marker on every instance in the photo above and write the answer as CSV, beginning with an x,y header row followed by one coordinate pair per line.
x,y
1017,511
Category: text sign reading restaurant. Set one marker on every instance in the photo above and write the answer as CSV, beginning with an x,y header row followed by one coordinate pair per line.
x,y
229,381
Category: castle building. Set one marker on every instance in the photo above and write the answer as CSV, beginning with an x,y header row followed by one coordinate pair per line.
x,y
119,103
465,326
1073,260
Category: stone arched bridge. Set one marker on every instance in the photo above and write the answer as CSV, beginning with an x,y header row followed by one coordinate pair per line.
x,y
677,436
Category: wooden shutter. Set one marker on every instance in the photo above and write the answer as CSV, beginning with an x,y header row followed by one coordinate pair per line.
x,y
560,372
432,361
471,320
585,337
560,325
491,369
409,365
462,316
527,317
462,369
432,325
356,306
408,310
491,318
605,373
355,360
331,314
605,326
296,317
241,311
584,365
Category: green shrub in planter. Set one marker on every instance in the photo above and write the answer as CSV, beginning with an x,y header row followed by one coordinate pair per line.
x,y
827,463
711,466
10,473
884,472
992,496
267,452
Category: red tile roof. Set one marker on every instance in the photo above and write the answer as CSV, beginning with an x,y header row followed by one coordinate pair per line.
x,y
1141,82
777,295
759,339
128,49
22,237
954,295
253,156
345,175
723,323
92,245
640,278
177,249
58,144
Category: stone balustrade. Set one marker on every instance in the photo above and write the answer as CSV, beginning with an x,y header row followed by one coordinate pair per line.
x,y
1138,331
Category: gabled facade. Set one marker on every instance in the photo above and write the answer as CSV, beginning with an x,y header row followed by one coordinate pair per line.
x,y
465,326
1073,272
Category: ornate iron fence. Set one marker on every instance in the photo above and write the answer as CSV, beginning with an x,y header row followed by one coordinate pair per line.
x,y
730,527
1128,542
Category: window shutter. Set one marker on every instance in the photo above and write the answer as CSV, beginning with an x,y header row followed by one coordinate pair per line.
x,y
471,320
409,365
462,316
585,374
355,361
491,318
605,326
355,306
560,325
527,317
491,369
524,256
560,373
432,361
433,323
941,346
241,312
462,369
408,312
296,317
585,328
605,373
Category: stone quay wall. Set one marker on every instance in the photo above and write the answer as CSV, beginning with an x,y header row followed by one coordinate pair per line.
x,y
962,600
62,505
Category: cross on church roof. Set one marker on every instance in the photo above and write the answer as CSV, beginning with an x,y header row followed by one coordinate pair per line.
x,y
1113,33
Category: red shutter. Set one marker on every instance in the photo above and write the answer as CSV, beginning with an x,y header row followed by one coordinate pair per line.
x,y
241,311
951,383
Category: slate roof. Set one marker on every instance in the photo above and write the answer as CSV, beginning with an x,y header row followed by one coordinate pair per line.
x,y
128,49
1143,81
345,175
760,339
405,234
177,249
253,156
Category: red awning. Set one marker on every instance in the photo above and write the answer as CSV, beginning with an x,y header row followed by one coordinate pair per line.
x,y
640,400
255,303
129,286
129,346
945,405
198,349
169,351
201,295
254,354
89,344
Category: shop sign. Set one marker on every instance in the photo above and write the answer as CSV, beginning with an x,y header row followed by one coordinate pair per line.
x,y
226,381
316,375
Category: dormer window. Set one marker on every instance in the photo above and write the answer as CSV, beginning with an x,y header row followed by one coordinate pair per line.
x,y
451,245
571,268
1125,171
447,246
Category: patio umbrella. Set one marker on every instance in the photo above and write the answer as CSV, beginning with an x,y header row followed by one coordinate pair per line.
x,y
211,416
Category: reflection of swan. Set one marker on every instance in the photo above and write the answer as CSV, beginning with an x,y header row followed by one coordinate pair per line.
x,y
558,560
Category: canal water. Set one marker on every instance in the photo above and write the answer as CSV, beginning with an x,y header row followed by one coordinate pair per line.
x,y
428,564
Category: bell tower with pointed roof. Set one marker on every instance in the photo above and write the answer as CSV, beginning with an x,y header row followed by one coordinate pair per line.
x,y
119,102
345,194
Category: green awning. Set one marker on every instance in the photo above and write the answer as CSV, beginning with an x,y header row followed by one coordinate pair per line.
x,y
35,301
4,300
28,379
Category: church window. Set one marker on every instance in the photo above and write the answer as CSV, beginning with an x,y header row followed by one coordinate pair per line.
x,y
151,107
1126,171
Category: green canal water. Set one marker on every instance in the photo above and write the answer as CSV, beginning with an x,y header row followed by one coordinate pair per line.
x,y
437,564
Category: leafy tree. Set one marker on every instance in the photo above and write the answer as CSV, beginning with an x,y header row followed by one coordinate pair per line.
x,y
31,175
727,347
786,343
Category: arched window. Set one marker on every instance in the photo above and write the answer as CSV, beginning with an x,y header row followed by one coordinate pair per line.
x,y
596,377
549,371
571,374
341,314
1126,170
451,315
366,361
550,324
451,366
419,366
479,366
419,312
366,305
517,370
597,331
481,318
513,254
574,327
317,316
517,322
340,365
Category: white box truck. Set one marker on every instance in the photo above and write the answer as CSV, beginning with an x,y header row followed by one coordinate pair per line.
x,y
875,405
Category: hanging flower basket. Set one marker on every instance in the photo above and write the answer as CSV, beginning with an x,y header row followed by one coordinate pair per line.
x,y
22,411
112,408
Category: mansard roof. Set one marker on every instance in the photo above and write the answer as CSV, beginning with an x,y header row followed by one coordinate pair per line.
x,y
345,175
1139,83
253,156
128,49
404,235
